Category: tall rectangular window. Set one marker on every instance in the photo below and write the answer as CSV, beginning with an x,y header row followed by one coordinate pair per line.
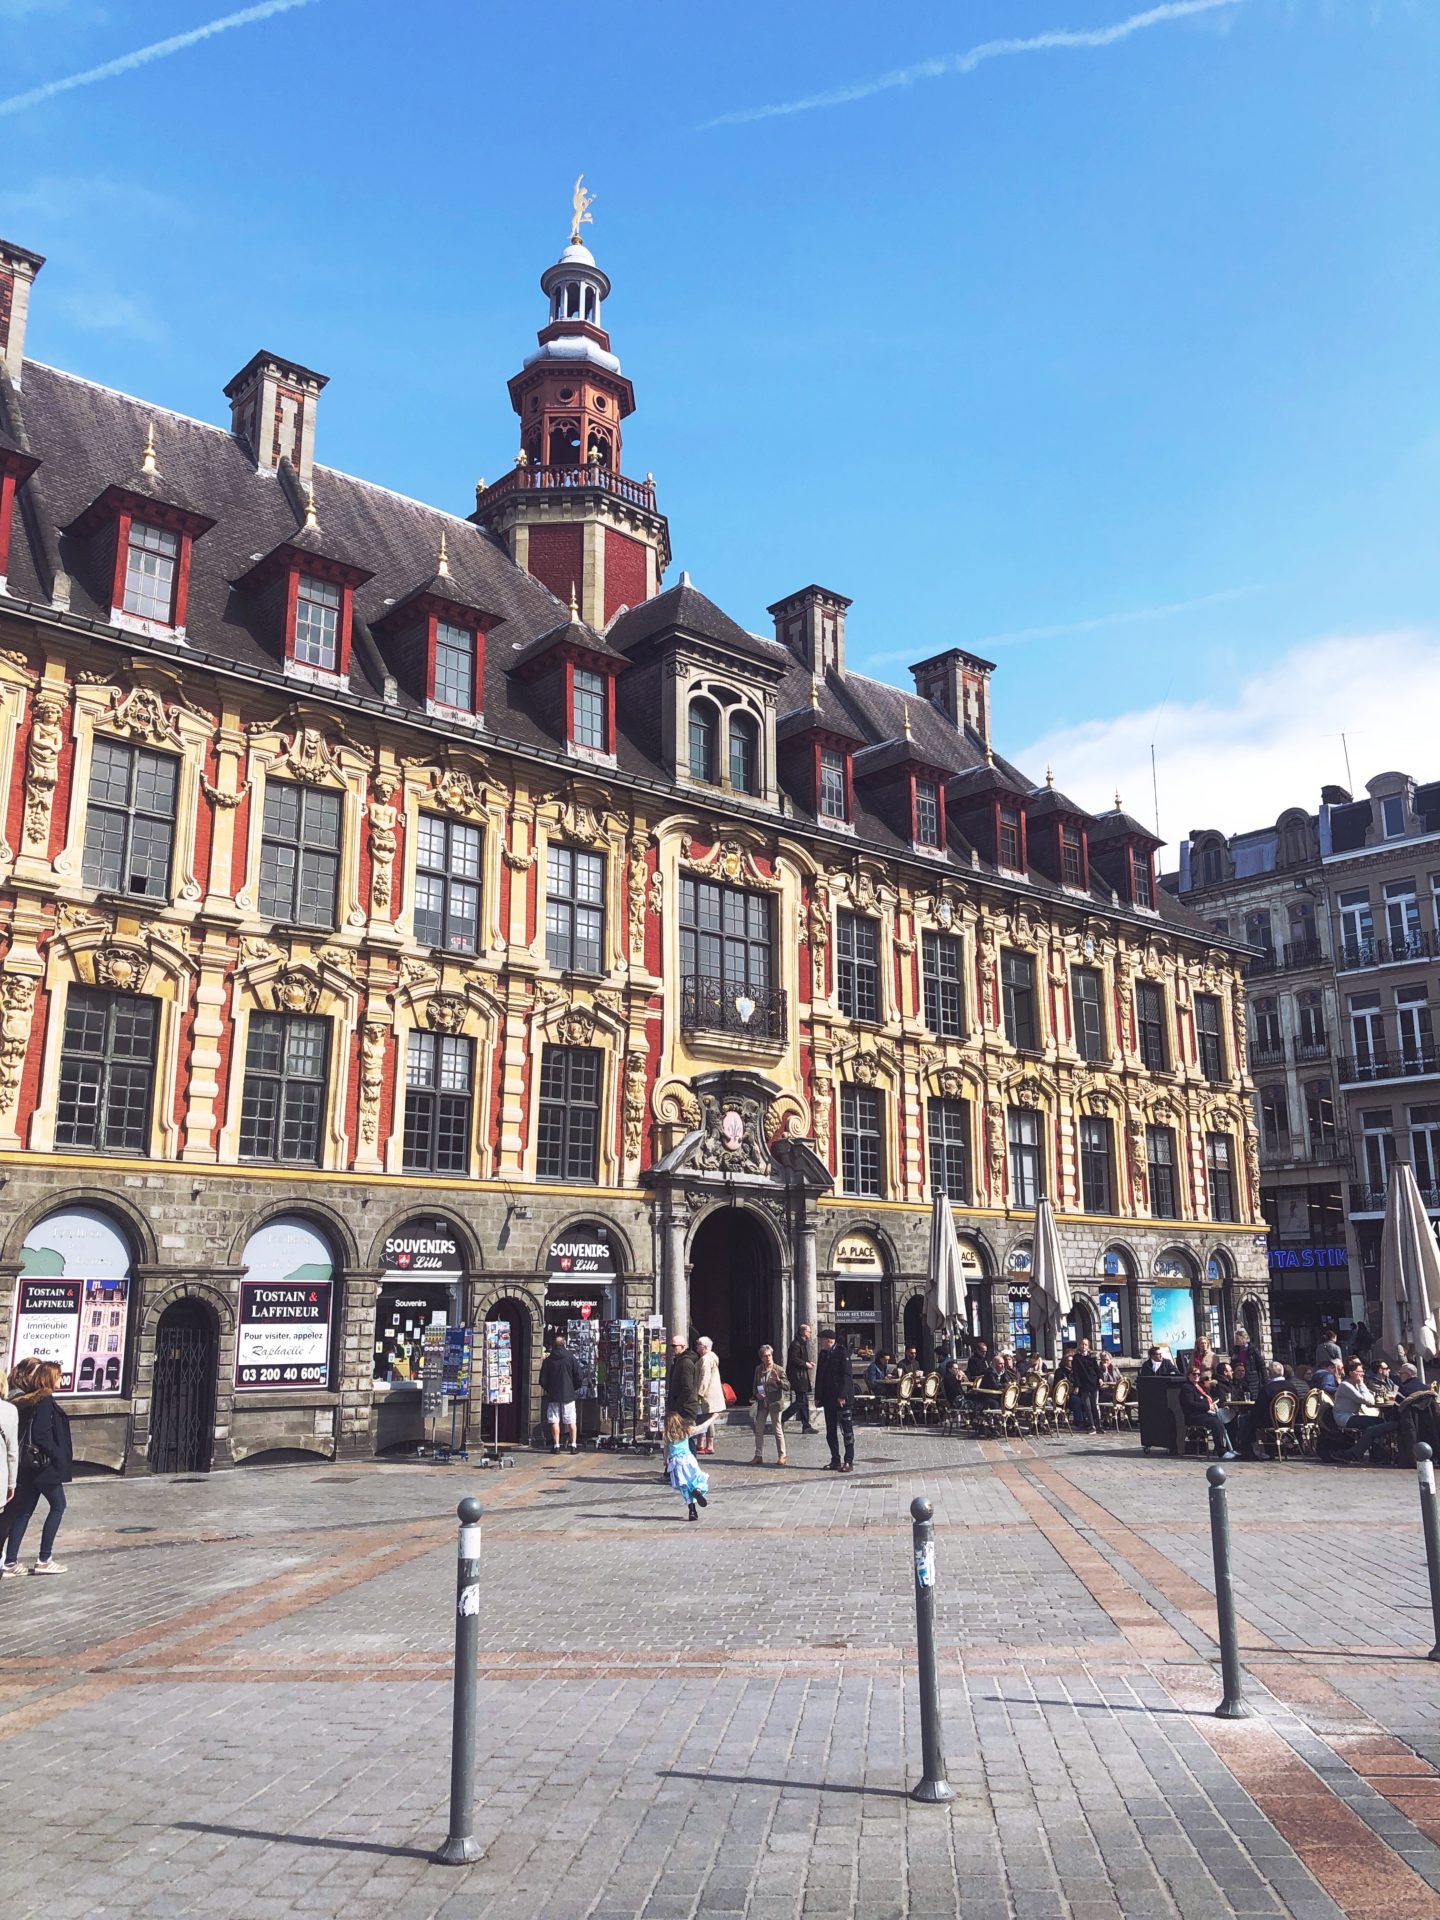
x,y
832,784
1087,1003
447,884
439,1085
130,821
317,623
107,1071
568,1138
1144,879
283,1105
150,559
1367,1030
942,984
1425,1147
1150,1024
1023,1127
1377,1138
1414,1029
1274,1118
1222,1181
454,666
857,971
1017,989
1392,816
1072,865
1008,845
927,814
1402,918
947,1132
1096,1185
1160,1156
574,909
724,934
1208,1037
861,1158
1357,929
300,854
588,709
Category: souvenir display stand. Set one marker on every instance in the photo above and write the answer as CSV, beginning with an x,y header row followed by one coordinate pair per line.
x,y
445,1369
497,1389
630,1383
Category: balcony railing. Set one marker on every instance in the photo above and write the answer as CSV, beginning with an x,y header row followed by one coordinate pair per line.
x,y
1305,1051
1323,1150
720,1006
1356,955
1367,1199
1272,1054
637,493
1409,1063
1293,957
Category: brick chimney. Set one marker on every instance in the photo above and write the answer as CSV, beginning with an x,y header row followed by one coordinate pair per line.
x,y
272,412
811,623
18,269
958,684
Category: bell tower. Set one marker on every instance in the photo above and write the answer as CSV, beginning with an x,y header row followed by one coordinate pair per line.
x,y
565,510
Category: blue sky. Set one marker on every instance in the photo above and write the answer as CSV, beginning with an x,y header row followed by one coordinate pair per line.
x,y
1117,363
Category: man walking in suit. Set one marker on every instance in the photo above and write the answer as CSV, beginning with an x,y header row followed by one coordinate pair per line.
x,y
834,1391
798,1372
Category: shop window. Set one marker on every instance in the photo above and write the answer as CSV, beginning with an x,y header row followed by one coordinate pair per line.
x,y
107,1071
72,1300
130,820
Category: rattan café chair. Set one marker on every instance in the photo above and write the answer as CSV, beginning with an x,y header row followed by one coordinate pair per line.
x,y
1280,1428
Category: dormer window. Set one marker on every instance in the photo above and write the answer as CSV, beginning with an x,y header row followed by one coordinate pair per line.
x,y
588,710
318,606
1072,862
927,813
1008,844
704,737
832,785
1143,879
151,557
454,676
744,753
1392,816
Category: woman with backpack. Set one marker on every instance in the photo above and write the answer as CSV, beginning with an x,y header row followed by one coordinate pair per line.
x,y
46,1463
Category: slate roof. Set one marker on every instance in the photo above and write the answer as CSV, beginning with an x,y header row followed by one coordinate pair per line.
x,y
88,438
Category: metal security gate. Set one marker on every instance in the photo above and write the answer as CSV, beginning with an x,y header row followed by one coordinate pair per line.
x,y
182,1403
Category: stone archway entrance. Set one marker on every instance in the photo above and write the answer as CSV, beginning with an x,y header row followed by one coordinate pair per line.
x,y
182,1393
734,1295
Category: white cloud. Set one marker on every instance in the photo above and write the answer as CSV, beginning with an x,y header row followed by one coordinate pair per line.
x,y
1238,758
58,199
1055,40
1131,616
107,310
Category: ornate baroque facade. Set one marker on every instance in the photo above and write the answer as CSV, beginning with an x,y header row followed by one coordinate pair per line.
x,y
431,913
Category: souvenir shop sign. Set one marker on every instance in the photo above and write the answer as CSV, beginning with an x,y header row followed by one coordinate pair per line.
x,y
284,1334
428,1249
583,1254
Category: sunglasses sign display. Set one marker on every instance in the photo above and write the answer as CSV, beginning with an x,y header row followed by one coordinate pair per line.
x,y
73,1300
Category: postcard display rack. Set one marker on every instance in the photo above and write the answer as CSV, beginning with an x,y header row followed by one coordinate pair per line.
x,y
497,1388
630,1383
446,1365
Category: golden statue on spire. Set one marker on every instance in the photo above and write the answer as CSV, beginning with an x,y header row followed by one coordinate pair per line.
x,y
581,202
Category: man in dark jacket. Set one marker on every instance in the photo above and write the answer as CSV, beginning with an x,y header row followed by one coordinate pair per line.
x,y
979,1362
834,1391
1200,1411
1085,1385
798,1373
560,1384
682,1384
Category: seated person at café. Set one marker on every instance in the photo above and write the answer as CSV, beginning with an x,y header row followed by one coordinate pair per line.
x,y
979,1360
911,1362
1109,1372
1200,1411
882,1367
1324,1376
1410,1381
1223,1386
1003,1366
1251,1419
1381,1380
1355,1410
954,1384
1158,1360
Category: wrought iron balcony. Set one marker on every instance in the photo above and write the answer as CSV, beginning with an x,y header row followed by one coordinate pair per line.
x,y
1294,957
1356,955
720,1006
1367,1199
1408,1063
1321,1150
1270,1055
1304,1052
636,493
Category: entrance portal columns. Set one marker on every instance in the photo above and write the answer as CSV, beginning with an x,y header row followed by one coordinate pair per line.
x,y
677,1278
808,1283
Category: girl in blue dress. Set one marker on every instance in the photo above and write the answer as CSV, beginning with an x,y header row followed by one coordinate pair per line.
x,y
682,1469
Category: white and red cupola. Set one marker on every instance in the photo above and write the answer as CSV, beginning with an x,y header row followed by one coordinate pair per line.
x,y
565,511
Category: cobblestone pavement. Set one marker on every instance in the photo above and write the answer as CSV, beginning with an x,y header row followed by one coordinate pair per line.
x,y
236,1702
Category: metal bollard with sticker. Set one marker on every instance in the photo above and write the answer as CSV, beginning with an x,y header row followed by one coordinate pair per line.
x,y
934,1787
461,1846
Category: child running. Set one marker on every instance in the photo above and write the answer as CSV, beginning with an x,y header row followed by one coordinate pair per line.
x,y
682,1469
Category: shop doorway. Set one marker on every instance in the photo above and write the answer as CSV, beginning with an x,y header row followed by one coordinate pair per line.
x,y
510,1423
182,1402
733,1293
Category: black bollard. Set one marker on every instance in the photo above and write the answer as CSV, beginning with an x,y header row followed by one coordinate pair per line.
x,y
1425,1464
1232,1707
461,1845
934,1787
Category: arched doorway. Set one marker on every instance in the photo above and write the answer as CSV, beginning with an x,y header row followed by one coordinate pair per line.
x,y
913,1330
182,1394
508,1420
733,1292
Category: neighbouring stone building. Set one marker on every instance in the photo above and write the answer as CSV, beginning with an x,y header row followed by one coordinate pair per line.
x,y
411,914
1344,907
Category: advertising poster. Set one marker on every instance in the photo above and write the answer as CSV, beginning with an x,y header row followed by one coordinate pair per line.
x,y
283,1339
73,1300
499,1379
1172,1317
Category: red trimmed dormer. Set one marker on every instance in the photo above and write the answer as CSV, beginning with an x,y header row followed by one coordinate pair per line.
x,y
1057,838
815,748
15,468
906,789
304,607
137,537
435,645
571,675
990,803
1122,854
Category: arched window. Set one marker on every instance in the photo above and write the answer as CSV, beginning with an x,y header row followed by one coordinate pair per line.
x,y
704,738
744,753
